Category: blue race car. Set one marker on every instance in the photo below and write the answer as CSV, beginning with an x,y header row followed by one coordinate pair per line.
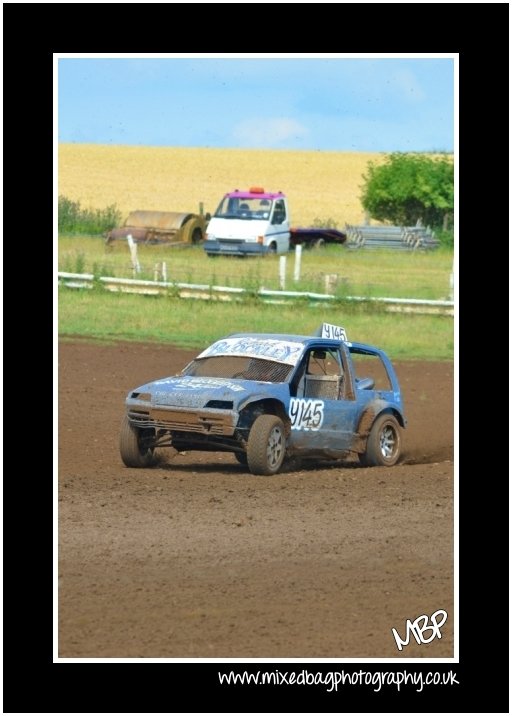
x,y
267,397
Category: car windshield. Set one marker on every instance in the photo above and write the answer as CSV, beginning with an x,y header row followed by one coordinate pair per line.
x,y
239,367
233,207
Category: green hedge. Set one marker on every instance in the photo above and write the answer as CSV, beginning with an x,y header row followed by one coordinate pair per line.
x,y
75,220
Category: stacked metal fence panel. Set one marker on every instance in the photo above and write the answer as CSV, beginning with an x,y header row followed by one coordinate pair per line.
x,y
403,238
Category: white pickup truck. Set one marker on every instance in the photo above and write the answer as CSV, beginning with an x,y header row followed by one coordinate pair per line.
x,y
258,222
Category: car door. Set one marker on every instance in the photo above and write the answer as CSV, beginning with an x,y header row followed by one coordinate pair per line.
x,y
323,412
279,228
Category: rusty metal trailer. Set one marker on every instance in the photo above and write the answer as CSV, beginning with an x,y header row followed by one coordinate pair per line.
x,y
161,227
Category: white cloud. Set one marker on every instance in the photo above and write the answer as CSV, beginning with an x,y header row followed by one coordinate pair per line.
x,y
268,132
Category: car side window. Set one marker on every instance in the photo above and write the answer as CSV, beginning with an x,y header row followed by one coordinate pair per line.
x,y
370,367
321,375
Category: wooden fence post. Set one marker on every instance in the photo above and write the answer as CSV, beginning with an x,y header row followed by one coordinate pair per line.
x,y
331,281
282,272
298,257
133,253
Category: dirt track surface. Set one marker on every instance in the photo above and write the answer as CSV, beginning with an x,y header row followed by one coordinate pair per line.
x,y
197,558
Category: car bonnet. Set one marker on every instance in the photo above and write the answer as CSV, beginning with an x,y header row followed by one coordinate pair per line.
x,y
197,392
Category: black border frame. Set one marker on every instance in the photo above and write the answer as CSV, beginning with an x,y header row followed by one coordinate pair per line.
x,y
32,682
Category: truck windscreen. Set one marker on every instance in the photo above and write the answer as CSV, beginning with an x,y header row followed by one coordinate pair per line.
x,y
244,208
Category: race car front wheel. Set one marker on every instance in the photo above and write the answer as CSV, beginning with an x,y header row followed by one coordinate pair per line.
x,y
266,445
384,443
241,457
133,452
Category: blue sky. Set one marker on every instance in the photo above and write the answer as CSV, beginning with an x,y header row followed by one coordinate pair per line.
x,y
335,104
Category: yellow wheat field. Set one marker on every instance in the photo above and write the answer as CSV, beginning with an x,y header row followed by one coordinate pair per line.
x,y
318,184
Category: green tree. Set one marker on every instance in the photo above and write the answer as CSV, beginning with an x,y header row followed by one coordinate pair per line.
x,y
408,187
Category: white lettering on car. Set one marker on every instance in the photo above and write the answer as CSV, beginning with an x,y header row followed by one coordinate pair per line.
x,y
331,331
199,383
271,349
306,414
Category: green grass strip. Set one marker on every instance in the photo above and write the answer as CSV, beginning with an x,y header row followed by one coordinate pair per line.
x,y
97,314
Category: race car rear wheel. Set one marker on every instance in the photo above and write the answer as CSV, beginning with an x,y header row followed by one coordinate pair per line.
x,y
133,452
384,443
266,445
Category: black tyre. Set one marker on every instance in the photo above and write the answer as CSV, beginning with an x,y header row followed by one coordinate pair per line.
x,y
266,446
197,236
241,457
319,244
272,249
384,443
132,454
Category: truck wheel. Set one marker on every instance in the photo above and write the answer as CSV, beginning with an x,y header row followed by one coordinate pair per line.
x,y
197,236
272,249
266,445
384,443
132,454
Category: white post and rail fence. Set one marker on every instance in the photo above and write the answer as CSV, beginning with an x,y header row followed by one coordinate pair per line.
x,y
229,293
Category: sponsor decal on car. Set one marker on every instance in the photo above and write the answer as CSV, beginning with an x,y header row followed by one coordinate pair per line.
x,y
199,383
271,349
